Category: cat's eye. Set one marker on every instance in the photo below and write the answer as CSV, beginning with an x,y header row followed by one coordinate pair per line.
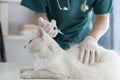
x,y
30,41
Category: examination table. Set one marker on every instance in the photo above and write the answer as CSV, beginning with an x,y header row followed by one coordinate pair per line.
x,y
11,71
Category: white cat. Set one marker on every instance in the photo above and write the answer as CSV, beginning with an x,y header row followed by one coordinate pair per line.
x,y
52,62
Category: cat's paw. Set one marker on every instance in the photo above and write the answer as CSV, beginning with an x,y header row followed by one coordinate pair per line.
x,y
26,69
26,75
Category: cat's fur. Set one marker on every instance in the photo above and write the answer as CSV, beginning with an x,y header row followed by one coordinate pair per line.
x,y
56,63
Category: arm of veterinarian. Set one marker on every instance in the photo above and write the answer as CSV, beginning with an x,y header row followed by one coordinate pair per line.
x,y
89,47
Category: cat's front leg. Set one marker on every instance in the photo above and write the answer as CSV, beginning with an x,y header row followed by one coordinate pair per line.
x,y
27,75
41,75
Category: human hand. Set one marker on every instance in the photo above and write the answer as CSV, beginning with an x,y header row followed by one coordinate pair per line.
x,y
89,51
49,27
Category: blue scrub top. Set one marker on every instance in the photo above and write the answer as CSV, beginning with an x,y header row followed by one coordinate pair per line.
x,y
74,23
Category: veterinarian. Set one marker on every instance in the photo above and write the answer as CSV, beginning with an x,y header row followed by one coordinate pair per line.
x,y
74,20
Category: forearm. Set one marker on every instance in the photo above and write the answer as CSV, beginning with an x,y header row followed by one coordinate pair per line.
x,y
37,15
101,25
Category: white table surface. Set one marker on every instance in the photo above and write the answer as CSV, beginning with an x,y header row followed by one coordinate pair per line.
x,y
10,0
11,71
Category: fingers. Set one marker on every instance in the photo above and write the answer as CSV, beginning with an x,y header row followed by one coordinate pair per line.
x,y
92,58
88,57
81,55
49,27
52,31
97,56
46,28
54,34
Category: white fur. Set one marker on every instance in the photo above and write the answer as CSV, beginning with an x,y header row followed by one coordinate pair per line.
x,y
51,61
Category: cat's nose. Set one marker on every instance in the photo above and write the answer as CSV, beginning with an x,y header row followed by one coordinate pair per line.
x,y
25,46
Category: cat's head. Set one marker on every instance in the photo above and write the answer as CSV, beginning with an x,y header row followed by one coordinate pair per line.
x,y
43,45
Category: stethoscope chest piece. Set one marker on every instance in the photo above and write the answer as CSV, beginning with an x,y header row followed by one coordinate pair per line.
x,y
84,7
65,8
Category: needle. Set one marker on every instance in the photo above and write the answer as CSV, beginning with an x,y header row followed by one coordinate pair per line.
x,y
60,32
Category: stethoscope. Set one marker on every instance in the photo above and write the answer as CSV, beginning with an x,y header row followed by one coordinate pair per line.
x,y
84,7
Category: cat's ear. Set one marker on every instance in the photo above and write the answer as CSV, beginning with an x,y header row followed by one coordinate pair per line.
x,y
53,22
